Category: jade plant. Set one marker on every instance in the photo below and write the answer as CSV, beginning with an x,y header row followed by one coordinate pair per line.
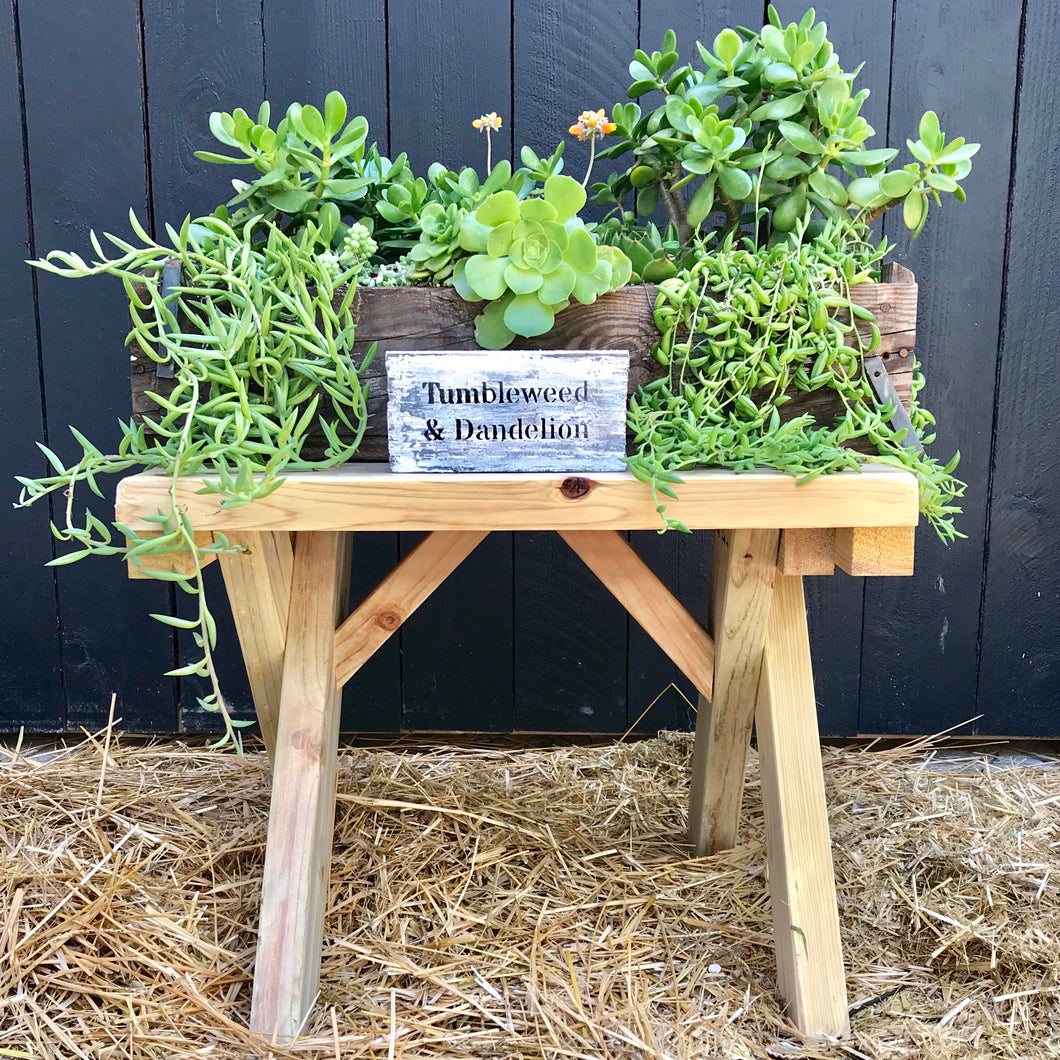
x,y
766,132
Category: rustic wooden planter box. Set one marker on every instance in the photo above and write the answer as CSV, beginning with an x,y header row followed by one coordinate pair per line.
x,y
437,318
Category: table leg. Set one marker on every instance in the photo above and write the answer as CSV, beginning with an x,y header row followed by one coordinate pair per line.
x,y
259,592
301,816
801,876
741,588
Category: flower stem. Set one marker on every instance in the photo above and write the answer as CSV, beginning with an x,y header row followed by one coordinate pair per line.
x,y
592,157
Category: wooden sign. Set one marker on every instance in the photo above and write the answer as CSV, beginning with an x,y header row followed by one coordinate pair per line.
x,y
507,410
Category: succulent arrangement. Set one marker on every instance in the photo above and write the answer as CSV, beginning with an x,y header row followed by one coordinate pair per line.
x,y
758,157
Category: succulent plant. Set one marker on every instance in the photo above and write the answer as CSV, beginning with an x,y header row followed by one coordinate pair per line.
x,y
529,258
439,242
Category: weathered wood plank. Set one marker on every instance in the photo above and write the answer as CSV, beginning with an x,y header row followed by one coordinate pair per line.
x,y
29,627
307,54
370,497
498,410
1020,666
959,259
745,566
298,850
801,876
82,75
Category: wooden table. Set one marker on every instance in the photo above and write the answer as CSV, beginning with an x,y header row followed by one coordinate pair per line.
x,y
288,595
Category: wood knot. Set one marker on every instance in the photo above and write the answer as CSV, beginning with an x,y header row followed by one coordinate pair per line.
x,y
388,620
885,307
573,489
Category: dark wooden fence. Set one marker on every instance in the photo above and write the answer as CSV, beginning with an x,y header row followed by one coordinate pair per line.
x,y
101,106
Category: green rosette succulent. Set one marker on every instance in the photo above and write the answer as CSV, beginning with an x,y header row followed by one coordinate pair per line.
x,y
439,241
529,258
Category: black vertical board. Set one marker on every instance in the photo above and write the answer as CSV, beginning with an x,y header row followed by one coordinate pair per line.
x,y
919,658
199,57
313,48
31,692
659,694
570,633
860,33
310,50
449,64
1019,685
86,151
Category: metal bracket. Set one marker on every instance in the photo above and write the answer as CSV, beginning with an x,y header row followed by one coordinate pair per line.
x,y
170,282
883,388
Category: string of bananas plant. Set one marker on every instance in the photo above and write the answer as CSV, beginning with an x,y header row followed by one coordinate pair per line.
x,y
744,326
256,337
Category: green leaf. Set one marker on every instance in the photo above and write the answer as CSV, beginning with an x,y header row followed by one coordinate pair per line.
x,y
780,73
485,275
566,195
647,200
736,183
527,316
640,72
558,284
179,623
195,669
828,186
70,557
340,188
537,210
523,281
289,200
727,45
958,151
919,151
900,182
930,132
879,156
940,182
640,88
313,123
499,207
781,107
913,209
334,113
581,252
800,138
702,203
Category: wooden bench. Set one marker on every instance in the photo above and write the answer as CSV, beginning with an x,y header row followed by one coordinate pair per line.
x,y
288,595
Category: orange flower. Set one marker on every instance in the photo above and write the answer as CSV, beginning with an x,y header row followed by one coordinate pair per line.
x,y
591,125
488,121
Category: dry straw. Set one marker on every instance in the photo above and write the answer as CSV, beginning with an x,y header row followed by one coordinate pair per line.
x,y
519,903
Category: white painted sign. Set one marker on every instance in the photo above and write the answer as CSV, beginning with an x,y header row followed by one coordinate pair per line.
x,y
507,410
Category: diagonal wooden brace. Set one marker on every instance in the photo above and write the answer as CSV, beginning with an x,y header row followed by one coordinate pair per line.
x,y
398,595
635,586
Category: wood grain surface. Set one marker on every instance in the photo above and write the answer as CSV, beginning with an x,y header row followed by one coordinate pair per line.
x,y
959,260
29,633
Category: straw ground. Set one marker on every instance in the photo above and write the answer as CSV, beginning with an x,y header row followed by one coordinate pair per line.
x,y
519,903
